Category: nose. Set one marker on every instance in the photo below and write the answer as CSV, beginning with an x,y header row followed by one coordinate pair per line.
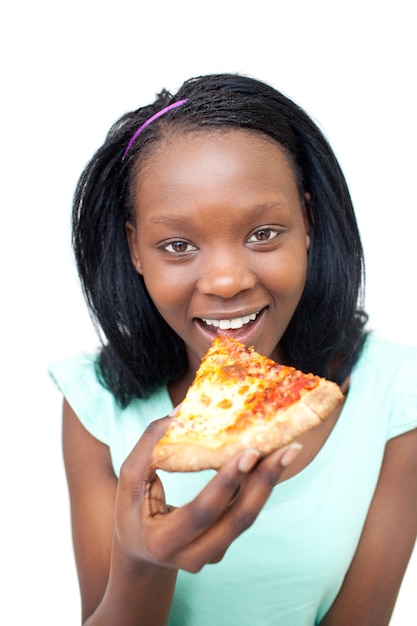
x,y
225,275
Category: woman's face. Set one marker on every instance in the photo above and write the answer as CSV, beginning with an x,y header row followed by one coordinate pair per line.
x,y
221,238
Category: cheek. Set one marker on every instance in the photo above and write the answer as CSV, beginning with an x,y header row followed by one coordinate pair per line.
x,y
287,276
167,291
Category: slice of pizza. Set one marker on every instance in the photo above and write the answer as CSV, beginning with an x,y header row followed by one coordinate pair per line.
x,y
241,399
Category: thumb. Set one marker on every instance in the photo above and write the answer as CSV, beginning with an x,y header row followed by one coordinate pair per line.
x,y
156,430
141,454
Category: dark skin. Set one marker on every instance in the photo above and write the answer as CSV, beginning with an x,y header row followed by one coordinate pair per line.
x,y
122,530
129,543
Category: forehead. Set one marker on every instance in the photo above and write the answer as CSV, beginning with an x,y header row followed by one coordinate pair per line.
x,y
222,159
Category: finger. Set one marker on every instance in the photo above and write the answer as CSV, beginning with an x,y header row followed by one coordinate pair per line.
x,y
153,433
241,514
247,475
139,457
140,493
201,514
191,520
138,483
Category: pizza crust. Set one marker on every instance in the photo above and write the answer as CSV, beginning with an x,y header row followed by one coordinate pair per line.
x,y
266,436
324,398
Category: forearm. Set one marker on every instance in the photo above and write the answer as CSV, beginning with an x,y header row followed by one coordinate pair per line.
x,y
135,596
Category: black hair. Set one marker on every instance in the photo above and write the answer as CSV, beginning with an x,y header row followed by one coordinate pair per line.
x,y
140,351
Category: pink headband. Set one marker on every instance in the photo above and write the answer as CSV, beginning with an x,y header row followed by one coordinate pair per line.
x,y
149,120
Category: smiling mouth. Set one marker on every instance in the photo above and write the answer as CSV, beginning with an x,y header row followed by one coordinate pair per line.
x,y
231,324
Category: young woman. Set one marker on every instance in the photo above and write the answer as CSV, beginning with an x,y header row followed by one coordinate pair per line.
x,y
223,209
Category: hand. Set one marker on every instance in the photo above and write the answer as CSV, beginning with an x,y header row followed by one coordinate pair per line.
x,y
201,531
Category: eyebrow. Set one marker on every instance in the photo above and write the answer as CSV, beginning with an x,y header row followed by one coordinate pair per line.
x,y
276,204
170,219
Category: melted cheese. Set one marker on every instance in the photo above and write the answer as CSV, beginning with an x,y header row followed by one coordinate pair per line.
x,y
219,409
233,388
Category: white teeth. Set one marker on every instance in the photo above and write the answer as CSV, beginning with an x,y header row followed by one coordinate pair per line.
x,y
235,323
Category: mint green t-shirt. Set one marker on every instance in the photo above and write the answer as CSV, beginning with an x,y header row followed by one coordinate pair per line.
x,y
287,569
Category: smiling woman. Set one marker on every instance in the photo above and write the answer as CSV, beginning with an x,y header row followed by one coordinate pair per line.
x,y
223,209
132,363
220,232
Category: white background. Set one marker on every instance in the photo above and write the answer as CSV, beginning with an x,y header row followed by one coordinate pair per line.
x,y
68,71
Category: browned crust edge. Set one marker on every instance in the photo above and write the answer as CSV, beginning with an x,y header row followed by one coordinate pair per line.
x,y
324,398
314,406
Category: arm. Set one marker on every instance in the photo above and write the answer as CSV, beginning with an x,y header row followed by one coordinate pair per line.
x,y
93,488
129,544
369,591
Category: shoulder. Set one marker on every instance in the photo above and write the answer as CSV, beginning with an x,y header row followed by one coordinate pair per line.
x,y
99,411
389,350
77,379
385,380
387,360
79,369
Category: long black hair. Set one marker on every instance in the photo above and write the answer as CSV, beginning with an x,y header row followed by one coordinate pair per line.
x,y
140,351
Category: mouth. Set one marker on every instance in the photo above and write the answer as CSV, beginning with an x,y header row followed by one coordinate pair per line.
x,y
234,323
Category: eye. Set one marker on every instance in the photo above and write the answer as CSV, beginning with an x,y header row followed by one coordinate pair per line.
x,y
179,247
263,234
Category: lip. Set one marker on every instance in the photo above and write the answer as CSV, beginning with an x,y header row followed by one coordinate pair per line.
x,y
245,334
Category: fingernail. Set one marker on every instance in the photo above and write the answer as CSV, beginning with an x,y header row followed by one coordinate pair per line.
x,y
175,410
290,453
248,460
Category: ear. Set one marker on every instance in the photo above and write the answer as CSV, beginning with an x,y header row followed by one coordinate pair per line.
x,y
308,216
132,240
